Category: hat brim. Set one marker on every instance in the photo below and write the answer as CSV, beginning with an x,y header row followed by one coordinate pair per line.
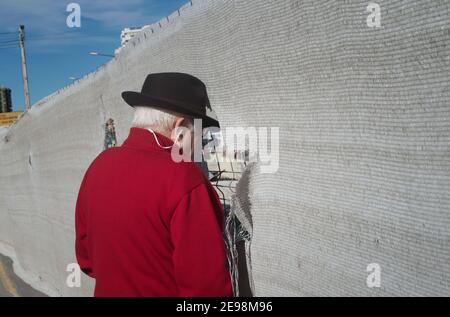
x,y
134,99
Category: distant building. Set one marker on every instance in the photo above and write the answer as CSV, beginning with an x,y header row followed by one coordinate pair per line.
x,y
8,118
5,99
127,34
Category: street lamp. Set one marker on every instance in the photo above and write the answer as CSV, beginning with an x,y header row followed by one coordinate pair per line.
x,y
100,54
73,78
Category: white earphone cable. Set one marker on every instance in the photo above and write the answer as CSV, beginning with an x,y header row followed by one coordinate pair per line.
x,y
157,141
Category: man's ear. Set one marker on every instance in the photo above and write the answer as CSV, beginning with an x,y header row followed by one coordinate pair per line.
x,y
179,122
176,129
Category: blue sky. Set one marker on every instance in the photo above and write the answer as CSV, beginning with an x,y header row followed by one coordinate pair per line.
x,y
56,52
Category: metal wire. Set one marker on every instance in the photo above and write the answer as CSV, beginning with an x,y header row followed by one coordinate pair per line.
x,y
234,232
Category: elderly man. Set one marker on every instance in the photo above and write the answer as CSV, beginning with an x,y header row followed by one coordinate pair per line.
x,y
146,225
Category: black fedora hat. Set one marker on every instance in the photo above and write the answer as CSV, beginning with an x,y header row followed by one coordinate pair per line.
x,y
175,92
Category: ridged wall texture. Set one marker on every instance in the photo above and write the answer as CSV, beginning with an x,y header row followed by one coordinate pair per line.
x,y
364,118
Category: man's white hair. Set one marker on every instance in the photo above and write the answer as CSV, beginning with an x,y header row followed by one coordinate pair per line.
x,y
146,117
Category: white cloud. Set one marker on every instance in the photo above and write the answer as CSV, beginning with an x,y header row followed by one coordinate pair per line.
x,y
42,17
112,13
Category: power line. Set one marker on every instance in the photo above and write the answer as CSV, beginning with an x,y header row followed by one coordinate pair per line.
x,y
10,36
49,36
9,41
37,36
15,44
10,44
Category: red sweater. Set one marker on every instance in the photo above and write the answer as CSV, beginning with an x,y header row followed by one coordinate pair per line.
x,y
147,226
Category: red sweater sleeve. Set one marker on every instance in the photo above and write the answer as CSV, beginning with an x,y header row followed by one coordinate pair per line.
x,y
81,249
199,251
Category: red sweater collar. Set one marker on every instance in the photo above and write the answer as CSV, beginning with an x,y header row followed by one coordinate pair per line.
x,y
144,139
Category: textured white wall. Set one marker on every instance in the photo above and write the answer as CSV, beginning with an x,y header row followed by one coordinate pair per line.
x,y
365,141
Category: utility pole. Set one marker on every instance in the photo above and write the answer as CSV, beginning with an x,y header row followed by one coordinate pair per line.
x,y
24,66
